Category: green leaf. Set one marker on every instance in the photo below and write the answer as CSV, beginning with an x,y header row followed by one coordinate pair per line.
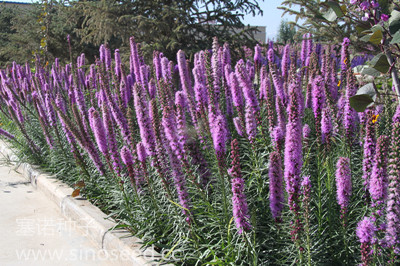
x,y
394,22
375,35
335,11
368,89
376,38
376,28
396,38
380,63
365,97
360,102
330,15
370,71
344,9
360,29
319,16
366,38
336,8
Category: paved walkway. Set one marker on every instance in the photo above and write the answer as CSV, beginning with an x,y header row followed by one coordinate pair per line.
x,y
33,231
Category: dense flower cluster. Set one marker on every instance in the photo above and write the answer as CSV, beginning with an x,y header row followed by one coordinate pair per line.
x,y
343,182
162,130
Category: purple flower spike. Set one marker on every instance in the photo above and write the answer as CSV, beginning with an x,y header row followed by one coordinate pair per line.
x,y
171,132
393,206
378,183
245,82
237,95
126,156
219,135
306,131
96,122
365,233
345,60
293,150
238,126
251,124
128,160
134,60
157,64
304,49
6,134
276,193
50,111
285,60
343,182
240,205
365,230
369,149
239,201
318,101
257,55
112,142
142,114
181,103
141,152
326,125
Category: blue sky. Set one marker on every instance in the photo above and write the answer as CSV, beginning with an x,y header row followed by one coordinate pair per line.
x,y
270,19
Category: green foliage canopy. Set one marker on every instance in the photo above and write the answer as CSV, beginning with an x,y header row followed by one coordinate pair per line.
x,y
286,32
167,25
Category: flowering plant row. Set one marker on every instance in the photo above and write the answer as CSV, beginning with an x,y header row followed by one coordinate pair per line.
x,y
260,161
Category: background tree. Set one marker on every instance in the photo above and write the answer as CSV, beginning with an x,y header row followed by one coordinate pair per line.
x,y
6,15
286,32
40,29
372,26
321,19
167,25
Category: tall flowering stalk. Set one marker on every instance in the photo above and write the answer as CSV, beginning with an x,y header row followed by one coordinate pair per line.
x,y
176,156
239,201
186,84
379,178
127,158
393,206
134,60
285,61
369,150
161,158
99,131
181,103
365,233
59,102
216,69
326,126
318,101
350,117
344,58
219,136
247,88
276,192
343,185
306,191
293,159
142,115
278,84
112,141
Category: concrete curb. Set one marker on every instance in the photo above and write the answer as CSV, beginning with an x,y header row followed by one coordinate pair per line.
x,y
85,215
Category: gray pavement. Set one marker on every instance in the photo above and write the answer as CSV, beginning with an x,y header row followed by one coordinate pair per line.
x,y
34,232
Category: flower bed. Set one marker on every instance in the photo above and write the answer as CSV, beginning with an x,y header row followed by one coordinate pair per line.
x,y
259,161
